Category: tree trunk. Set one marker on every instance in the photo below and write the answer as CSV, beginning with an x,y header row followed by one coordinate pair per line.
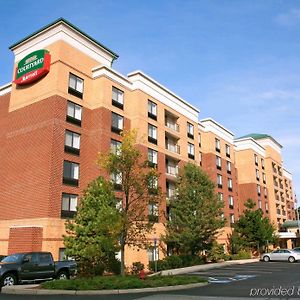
x,y
122,257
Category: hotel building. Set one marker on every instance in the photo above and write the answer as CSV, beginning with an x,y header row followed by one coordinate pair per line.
x,y
55,120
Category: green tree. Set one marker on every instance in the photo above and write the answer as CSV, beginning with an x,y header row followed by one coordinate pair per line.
x,y
253,230
138,185
93,233
195,213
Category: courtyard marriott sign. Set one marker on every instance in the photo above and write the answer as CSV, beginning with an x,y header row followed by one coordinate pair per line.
x,y
32,67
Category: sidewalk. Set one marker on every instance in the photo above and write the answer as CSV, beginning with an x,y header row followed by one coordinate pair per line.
x,y
34,289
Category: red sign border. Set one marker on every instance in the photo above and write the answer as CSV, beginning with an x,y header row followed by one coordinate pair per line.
x,y
35,74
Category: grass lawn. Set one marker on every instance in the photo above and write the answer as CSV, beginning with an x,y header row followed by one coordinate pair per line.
x,y
119,282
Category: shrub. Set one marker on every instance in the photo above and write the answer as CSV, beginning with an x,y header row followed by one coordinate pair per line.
x,y
175,261
137,267
216,253
240,255
113,265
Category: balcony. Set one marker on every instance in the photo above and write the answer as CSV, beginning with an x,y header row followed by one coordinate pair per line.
x,y
171,145
170,193
171,168
171,121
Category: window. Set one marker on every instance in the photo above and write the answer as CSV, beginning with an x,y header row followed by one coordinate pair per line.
x,y
117,98
71,173
220,195
258,190
153,212
257,174
227,148
199,139
264,177
75,86
152,185
152,157
256,159
218,162
115,146
218,145
229,184
45,259
152,134
74,112
262,163
190,130
171,190
33,258
72,142
61,254
259,203
230,201
231,218
265,192
200,158
119,204
68,205
267,207
228,167
171,167
116,123
116,179
191,151
219,180
152,110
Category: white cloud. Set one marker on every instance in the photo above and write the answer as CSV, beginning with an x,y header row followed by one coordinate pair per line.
x,y
290,18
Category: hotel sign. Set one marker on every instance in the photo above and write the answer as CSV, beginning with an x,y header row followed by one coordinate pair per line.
x,y
32,67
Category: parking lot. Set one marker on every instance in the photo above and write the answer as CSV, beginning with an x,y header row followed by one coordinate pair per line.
x,y
258,280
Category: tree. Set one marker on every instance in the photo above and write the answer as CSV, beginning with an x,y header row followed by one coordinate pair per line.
x,y
138,184
94,231
252,230
195,213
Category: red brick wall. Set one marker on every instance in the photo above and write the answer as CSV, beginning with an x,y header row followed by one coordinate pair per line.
x,y
209,165
32,149
25,239
249,190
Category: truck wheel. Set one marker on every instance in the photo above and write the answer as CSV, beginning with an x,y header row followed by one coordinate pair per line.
x,y
62,275
9,279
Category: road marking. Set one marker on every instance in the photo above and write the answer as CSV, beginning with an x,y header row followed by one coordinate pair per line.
x,y
229,279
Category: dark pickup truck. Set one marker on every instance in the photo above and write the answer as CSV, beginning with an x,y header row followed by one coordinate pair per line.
x,y
33,266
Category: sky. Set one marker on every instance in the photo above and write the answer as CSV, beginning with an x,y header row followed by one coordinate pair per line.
x,y
237,61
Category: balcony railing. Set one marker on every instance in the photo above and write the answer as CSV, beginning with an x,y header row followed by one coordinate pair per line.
x,y
172,170
173,147
172,124
170,193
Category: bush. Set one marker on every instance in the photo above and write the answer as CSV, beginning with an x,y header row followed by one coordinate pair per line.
x,y
137,267
90,269
240,255
216,253
176,261
119,282
113,265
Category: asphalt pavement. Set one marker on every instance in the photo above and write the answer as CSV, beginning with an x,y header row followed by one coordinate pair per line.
x,y
274,280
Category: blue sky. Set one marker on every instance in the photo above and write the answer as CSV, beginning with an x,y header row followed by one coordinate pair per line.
x,y
237,61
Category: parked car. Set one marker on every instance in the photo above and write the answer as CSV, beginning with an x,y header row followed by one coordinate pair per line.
x,y
33,266
296,249
281,255
2,256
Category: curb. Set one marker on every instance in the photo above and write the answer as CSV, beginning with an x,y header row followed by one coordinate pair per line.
x,y
205,267
32,290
